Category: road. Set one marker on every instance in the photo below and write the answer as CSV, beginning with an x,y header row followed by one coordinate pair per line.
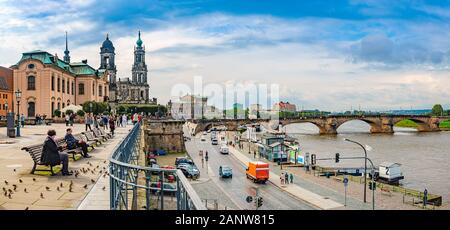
x,y
239,187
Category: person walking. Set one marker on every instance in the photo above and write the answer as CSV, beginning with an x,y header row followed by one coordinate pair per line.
x,y
254,154
88,121
66,118
124,120
286,177
95,121
425,197
292,178
112,125
72,119
282,178
105,121
22,120
203,162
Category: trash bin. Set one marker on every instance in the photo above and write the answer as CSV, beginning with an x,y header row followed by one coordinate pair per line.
x,y
11,132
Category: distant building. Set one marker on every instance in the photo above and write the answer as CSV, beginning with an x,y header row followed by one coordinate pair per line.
x,y
49,83
255,111
272,147
238,106
189,106
284,107
6,90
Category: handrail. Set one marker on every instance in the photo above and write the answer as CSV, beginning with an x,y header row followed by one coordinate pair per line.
x,y
125,175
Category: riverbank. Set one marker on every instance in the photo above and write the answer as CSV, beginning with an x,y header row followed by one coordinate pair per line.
x,y
411,124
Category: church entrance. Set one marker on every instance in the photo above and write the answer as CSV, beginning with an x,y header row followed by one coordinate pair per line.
x,y
31,109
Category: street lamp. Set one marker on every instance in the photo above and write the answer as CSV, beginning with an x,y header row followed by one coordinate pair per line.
x,y
18,97
365,165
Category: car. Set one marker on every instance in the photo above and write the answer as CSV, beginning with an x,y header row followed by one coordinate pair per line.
x,y
203,138
214,142
169,188
225,171
180,160
209,130
205,133
224,149
190,171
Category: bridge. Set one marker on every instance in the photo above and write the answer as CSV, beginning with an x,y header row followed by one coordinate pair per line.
x,y
327,124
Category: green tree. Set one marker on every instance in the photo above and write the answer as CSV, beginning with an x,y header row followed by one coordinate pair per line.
x,y
57,113
437,110
69,111
80,113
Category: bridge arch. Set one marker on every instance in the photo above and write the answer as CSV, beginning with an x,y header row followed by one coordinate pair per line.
x,y
322,129
372,125
413,123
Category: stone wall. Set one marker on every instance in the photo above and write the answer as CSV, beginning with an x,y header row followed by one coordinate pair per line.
x,y
164,134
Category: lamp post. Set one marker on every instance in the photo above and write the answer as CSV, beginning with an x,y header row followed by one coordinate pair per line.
x,y
365,165
18,97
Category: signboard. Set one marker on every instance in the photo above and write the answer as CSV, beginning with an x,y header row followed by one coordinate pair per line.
x,y
345,181
300,157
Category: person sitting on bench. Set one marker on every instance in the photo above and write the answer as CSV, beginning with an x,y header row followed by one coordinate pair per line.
x,y
51,154
73,143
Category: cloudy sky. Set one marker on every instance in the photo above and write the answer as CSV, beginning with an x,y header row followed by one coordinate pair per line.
x,y
331,55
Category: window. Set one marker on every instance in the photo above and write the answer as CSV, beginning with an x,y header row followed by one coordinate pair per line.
x,y
63,86
31,109
73,85
53,82
93,88
4,108
58,85
59,106
68,87
53,108
100,91
31,83
31,66
81,89
106,91
64,105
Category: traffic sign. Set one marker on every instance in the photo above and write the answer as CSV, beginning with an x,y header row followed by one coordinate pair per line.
x,y
249,199
345,181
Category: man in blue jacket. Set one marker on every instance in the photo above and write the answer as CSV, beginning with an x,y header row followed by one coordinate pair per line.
x,y
73,143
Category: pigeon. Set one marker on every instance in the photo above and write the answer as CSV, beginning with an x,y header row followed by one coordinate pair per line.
x,y
14,170
104,162
6,194
9,196
71,183
144,207
26,208
10,191
34,179
57,188
61,185
6,182
15,187
93,181
42,195
4,189
98,166
47,188
104,188
20,181
25,190
85,186
100,172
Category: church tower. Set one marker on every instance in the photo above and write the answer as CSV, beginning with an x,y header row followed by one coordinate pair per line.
x,y
107,56
139,71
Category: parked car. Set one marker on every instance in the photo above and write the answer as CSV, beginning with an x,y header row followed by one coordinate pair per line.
x,y
169,188
190,171
180,160
155,166
203,138
225,171
224,149
214,142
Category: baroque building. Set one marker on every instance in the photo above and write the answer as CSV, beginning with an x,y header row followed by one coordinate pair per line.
x,y
136,89
49,83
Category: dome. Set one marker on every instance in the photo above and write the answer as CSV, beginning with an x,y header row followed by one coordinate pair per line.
x,y
107,45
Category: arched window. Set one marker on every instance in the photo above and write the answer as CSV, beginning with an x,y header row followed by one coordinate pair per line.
x,y
142,94
53,82
31,83
63,86
73,88
68,86
93,88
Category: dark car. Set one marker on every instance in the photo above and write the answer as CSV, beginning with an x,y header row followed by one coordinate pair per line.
x,y
190,171
180,160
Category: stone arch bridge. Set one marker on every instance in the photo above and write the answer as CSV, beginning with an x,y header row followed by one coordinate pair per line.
x,y
327,124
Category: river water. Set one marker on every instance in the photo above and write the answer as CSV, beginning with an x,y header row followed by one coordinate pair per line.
x,y
425,157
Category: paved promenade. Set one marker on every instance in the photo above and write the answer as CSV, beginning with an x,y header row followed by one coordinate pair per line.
x,y
52,192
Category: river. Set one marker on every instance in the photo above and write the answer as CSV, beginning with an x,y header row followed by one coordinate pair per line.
x,y
425,157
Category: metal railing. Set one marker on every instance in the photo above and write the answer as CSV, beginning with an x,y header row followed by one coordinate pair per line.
x,y
138,187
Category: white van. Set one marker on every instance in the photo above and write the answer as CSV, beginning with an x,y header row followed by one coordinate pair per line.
x,y
224,149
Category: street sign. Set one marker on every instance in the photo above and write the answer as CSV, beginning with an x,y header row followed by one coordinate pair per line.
x,y
249,199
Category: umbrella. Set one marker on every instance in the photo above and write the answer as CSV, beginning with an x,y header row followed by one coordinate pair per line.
x,y
72,107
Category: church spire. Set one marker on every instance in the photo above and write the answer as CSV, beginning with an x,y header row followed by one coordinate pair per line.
x,y
66,52
139,41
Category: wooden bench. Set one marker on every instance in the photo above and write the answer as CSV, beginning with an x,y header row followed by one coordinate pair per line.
x,y
90,137
64,147
82,137
109,135
35,152
99,135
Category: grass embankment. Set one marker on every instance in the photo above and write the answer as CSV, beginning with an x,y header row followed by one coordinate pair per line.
x,y
411,124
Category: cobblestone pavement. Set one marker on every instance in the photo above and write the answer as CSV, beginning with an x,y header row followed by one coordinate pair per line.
x,y
46,192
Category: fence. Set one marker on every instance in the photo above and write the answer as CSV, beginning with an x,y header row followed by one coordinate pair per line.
x,y
138,187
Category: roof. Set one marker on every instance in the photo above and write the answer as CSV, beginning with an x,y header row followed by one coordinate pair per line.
x,y
76,68
388,164
107,45
274,144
